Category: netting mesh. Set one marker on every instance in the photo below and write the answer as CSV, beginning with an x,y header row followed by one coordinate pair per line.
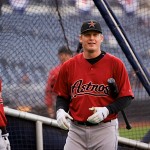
x,y
30,36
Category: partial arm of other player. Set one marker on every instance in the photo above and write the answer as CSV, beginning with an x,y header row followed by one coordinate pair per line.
x,y
4,141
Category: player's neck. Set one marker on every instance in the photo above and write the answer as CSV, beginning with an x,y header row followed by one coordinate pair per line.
x,y
88,55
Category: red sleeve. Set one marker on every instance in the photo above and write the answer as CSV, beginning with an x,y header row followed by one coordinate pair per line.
x,y
53,74
3,120
122,79
61,87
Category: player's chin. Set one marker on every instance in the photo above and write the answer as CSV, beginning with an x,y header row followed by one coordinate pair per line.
x,y
91,50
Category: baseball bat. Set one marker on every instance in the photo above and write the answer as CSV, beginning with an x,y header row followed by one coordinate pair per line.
x,y
114,93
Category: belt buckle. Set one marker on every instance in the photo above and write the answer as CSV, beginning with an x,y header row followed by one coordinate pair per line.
x,y
84,123
87,124
80,123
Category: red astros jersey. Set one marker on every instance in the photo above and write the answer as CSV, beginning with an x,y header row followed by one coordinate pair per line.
x,y
3,120
87,85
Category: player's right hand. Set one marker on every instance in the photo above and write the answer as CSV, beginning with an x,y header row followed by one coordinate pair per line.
x,y
62,119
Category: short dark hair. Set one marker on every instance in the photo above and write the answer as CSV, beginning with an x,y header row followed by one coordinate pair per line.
x,y
64,50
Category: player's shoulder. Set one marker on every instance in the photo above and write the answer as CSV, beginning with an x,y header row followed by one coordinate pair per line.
x,y
55,68
113,57
73,59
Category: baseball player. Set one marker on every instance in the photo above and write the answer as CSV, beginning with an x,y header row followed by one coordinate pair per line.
x,y
84,104
4,141
50,97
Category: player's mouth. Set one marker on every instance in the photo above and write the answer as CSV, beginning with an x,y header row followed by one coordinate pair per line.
x,y
91,44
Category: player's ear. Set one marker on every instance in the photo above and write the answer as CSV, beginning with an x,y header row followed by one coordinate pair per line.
x,y
80,38
102,37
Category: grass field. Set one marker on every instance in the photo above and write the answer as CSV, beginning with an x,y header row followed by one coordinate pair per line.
x,y
136,133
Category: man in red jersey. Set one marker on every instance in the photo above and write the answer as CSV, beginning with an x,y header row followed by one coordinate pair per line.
x,y
4,141
50,97
84,103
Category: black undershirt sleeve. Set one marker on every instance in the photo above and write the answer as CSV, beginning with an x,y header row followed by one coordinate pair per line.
x,y
62,103
119,104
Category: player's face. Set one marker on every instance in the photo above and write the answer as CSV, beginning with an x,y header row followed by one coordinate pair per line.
x,y
91,41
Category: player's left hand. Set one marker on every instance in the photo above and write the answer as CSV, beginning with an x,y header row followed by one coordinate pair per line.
x,y
6,141
100,113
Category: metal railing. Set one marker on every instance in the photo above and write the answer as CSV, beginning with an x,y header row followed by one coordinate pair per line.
x,y
40,120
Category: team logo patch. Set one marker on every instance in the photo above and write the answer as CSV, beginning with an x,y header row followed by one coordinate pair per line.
x,y
91,24
78,88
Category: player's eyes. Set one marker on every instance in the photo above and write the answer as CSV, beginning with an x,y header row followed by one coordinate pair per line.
x,y
94,34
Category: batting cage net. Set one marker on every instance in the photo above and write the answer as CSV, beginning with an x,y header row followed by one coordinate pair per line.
x,y
31,32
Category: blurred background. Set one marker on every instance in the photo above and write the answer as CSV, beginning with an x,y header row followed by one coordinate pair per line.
x,y
32,31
